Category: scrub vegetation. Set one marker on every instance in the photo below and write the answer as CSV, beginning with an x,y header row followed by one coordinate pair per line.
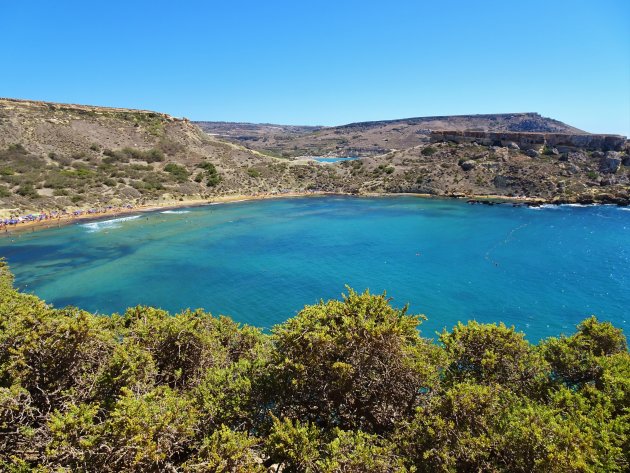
x,y
345,386
62,157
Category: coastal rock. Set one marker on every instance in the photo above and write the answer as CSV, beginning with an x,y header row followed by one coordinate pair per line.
x,y
512,145
610,163
576,156
571,168
468,165
532,153
491,166
573,156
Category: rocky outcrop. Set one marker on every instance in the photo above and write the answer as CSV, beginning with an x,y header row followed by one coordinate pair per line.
x,y
468,165
574,156
610,163
534,141
532,153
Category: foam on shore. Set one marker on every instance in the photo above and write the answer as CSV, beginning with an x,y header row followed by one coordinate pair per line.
x,y
107,224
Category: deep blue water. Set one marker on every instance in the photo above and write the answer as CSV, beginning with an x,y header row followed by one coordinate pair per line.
x,y
542,270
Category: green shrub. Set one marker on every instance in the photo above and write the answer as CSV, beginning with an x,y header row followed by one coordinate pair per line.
x,y
356,364
493,354
27,190
345,386
180,173
212,175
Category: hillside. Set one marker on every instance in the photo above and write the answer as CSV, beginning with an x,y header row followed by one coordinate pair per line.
x,y
245,133
62,156
59,156
375,137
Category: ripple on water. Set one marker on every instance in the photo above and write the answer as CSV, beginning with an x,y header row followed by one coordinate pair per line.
x,y
262,261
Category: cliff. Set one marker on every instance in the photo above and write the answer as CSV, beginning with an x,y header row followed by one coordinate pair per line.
x,y
531,140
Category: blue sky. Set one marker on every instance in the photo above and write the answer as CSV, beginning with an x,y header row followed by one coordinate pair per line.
x,y
321,62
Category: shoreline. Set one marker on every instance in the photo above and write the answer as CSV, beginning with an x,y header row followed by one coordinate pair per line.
x,y
69,218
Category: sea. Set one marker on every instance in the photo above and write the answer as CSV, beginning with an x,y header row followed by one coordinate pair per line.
x,y
540,269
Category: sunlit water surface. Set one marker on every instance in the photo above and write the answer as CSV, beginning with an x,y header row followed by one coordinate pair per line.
x,y
542,270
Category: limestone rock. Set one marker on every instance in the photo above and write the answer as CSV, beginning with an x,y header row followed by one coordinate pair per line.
x,y
573,156
512,145
625,160
576,156
572,168
468,165
532,153
610,163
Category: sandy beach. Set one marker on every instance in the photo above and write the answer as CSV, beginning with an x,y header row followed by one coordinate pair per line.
x,y
69,218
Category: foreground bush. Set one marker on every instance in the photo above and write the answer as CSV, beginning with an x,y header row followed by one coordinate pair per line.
x,y
345,386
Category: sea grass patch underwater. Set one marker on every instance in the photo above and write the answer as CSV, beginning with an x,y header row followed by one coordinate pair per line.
x,y
347,385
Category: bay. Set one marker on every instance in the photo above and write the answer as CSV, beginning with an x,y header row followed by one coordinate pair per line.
x,y
540,269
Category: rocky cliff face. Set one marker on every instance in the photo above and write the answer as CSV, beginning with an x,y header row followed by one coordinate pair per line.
x,y
536,141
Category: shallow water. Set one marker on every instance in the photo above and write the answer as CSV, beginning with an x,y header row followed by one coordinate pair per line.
x,y
542,270
335,160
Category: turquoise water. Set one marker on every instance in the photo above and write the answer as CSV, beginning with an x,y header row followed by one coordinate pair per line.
x,y
335,160
542,270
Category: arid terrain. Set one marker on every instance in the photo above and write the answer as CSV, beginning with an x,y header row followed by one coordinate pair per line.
x,y
60,156
372,138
